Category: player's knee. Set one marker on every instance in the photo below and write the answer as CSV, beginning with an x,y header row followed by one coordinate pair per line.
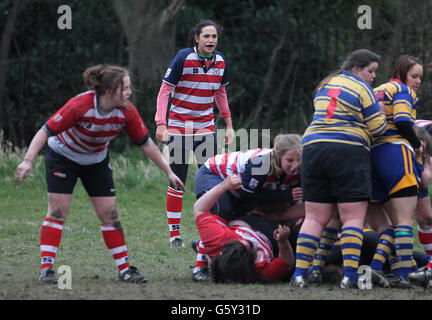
x,y
425,223
57,214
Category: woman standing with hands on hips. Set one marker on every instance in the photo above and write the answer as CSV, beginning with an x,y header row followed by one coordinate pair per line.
x,y
336,166
195,79
78,137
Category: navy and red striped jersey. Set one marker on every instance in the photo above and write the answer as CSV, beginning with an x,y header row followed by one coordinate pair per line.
x,y
253,168
195,84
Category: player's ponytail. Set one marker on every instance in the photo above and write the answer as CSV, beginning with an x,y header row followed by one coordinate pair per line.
x,y
104,77
361,58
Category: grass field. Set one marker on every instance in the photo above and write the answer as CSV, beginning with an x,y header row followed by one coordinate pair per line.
x,y
141,192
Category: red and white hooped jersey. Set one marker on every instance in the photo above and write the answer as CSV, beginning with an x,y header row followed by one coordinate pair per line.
x,y
83,135
192,98
233,162
263,244
215,232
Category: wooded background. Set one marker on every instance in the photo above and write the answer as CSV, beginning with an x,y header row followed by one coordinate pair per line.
x,y
277,52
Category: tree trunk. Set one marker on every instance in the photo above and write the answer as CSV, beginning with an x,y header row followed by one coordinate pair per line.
x,y
267,84
276,100
149,26
6,39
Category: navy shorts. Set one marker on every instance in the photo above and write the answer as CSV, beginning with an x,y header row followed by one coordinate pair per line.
x,y
203,147
62,174
205,180
396,172
336,173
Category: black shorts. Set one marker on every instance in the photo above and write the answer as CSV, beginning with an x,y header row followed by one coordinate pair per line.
x,y
62,174
336,172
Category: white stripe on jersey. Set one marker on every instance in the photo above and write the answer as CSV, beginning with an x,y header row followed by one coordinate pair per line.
x,y
88,155
198,85
235,162
193,113
191,125
263,244
193,99
193,70
86,139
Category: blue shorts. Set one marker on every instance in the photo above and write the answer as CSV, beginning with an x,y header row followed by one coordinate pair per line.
x,y
394,168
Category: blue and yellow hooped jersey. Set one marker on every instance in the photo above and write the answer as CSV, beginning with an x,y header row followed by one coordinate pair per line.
x,y
400,104
346,111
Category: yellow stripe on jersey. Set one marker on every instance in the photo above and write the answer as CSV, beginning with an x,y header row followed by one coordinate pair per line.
x,y
346,111
400,104
409,179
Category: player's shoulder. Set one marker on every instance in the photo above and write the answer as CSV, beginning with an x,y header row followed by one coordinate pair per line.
x,y
220,55
185,53
129,110
87,96
81,101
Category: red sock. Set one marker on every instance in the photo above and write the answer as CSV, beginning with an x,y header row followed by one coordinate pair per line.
x,y
202,258
174,211
50,237
425,239
114,239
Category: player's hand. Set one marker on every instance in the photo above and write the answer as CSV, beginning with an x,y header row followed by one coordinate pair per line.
x,y
176,182
281,234
297,194
24,170
162,133
232,182
229,136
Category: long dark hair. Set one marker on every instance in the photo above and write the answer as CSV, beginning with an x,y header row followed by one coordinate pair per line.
x,y
403,65
196,31
361,58
235,264
424,135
